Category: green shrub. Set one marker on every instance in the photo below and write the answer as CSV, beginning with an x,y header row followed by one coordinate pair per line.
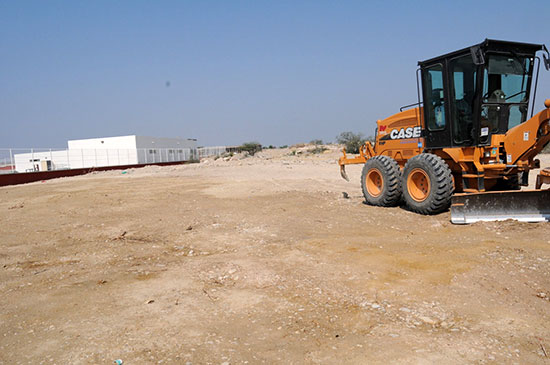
x,y
351,141
316,141
317,150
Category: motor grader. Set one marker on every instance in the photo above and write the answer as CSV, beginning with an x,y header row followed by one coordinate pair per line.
x,y
469,142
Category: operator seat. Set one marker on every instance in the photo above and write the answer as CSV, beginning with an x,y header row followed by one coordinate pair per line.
x,y
497,96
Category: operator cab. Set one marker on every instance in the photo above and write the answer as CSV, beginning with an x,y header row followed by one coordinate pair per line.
x,y
470,94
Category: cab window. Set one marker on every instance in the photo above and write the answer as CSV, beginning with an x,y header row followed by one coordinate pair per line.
x,y
506,82
434,97
463,73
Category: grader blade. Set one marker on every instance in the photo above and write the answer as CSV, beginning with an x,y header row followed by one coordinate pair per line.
x,y
523,206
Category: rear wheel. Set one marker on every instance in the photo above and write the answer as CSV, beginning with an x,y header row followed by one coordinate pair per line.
x,y
427,184
381,181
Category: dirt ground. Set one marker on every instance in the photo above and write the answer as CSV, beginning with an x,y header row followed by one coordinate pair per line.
x,y
260,260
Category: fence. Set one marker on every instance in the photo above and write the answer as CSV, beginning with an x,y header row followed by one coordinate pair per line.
x,y
48,159
211,151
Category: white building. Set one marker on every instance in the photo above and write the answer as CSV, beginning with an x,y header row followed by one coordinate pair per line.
x,y
108,151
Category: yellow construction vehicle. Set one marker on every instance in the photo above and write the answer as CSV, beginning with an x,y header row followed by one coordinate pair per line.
x,y
469,142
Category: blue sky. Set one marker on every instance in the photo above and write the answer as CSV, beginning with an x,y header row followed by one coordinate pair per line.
x,y
277,72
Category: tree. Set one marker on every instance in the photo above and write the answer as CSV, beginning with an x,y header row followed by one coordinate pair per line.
x,y
351,141
251,147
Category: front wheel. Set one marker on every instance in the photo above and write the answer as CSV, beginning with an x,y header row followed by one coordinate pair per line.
x,y
381,181
427,184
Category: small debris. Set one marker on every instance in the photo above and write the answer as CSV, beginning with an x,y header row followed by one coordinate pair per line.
x,y
119,362
150,301
543,350
17,206
189,228
120,236
541,295
208,295
346,195
101,282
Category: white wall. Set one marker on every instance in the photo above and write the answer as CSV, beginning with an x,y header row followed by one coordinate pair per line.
x,y
75,158
26,162
88,157
122,142
110,151
152,142
151,149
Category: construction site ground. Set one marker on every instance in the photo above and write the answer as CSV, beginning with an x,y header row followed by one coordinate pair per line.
x,y
266,259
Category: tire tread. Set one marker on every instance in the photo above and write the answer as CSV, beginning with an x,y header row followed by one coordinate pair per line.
x,y
391,193
442,184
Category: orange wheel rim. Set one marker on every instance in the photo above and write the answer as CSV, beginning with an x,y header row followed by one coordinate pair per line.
x,y
375,182
418,185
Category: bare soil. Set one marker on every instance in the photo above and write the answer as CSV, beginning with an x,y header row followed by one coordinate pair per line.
x,y
260,260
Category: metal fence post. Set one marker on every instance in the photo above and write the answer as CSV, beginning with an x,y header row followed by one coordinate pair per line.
x,y
107,151
32,159
95,156
68,160
118,155
12,164
82,157
51,160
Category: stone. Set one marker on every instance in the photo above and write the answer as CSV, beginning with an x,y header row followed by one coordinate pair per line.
x,y
427,320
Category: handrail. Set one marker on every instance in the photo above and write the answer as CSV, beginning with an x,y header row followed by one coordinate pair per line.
x,y
408,106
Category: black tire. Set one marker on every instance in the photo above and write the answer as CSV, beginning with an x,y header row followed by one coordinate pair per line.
x,y
427,184
389,187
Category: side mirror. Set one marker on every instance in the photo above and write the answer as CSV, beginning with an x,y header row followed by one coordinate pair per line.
x,y
477,55
546,61
546,58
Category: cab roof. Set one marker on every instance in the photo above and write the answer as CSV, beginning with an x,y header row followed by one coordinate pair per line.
x,y
490,45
